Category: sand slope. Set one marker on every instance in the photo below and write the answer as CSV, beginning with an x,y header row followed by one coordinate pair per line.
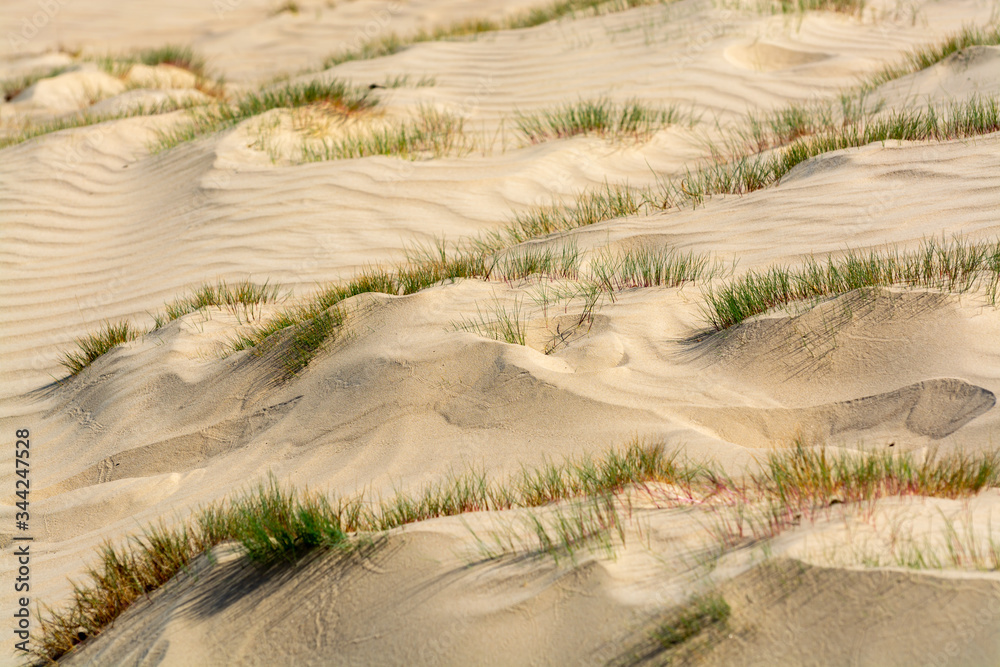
x,y
95,229
426,597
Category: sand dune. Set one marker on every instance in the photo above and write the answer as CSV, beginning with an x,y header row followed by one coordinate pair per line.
x,y
97,228
221,225
425,597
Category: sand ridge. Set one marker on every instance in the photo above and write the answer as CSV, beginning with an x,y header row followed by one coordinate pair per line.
x,y
96,228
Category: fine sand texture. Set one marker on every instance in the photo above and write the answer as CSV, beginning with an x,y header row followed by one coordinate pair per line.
x,y
106,222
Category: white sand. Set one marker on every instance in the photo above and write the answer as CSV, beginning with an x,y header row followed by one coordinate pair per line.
x,y
97,229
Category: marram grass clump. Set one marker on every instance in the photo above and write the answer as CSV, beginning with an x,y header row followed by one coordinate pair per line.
x,y
650,266
278,525
240,298
92,346
335,97
928,55
957,266
275,524
243,299
388,44
175,55
603,117
429,133
31,129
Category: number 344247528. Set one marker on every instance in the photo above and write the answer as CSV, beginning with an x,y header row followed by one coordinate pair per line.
x,y
22,484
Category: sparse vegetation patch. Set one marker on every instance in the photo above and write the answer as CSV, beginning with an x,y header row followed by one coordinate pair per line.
x,y
603,117
274,524
175,55
924,57
94,345
391,43
11,88
336,97
430,133
850,7
591,207
957,266
30,130
240,298
500,323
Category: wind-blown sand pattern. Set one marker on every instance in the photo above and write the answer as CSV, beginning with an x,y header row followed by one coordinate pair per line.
x,y
99,227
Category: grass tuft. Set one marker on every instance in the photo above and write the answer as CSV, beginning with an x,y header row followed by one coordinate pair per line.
x,y
308,338
603,117
389,44
287,7
336,97
500,323
431,132
957,266
649,266
175,55
925,56
403,81
521,262
11,88
239,298
122,575
809,478
30,130
316,322
593,522
274,525
607,203
171,54
277,525
94,345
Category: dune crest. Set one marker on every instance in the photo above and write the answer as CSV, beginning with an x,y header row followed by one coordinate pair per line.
x,y
370,247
